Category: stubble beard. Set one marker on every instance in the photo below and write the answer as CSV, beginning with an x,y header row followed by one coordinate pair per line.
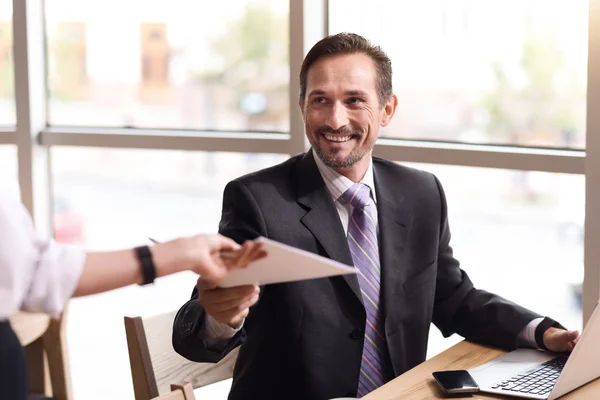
x,y
333,161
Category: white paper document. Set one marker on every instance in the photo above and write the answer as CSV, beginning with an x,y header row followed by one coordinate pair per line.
x,y
285,263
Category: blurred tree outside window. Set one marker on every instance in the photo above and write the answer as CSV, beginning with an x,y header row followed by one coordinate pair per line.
x,y
253,58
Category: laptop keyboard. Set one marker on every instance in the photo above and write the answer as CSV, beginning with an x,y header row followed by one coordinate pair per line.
x,y
539,381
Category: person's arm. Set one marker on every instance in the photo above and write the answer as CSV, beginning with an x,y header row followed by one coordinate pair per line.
x,y
485,317
104,271
41,275
108,270
473,313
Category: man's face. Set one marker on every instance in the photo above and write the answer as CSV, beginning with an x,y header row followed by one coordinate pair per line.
x,y
342,112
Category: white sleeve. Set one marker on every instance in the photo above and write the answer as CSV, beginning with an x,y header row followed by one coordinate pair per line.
x,y
526,337
214,332
35,274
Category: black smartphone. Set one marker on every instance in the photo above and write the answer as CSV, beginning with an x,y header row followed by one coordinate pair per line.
x,y
458,381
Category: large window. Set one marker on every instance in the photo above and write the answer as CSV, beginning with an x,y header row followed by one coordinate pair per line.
x,y
108,199
480,71
177,64
7,82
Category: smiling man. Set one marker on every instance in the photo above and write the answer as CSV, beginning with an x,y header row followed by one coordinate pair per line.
x,y
344,101
346,336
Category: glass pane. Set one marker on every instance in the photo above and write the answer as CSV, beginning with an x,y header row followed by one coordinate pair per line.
x,y
177,64
518,234
111,199
7,79
9,179
462,75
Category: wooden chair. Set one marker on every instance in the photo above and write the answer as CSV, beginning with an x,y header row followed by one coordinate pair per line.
x,y
155,365
179,392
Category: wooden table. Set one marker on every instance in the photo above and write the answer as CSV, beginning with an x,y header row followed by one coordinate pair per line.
x,y
418,384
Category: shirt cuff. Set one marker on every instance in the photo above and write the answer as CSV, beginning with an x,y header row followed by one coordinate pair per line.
x,y
214,332
526,337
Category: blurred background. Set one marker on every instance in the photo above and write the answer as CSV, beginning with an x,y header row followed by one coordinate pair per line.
x,y
486,72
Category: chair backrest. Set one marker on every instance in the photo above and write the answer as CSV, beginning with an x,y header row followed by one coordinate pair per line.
x,y
179,392
155,365
45,342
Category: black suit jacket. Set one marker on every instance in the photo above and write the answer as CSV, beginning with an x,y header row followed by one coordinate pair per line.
x,y
303,340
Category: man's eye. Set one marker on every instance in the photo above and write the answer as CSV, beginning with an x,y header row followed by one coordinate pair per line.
x,y
319,100
354,100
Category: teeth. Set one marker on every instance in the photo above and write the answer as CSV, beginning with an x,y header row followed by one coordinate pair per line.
x,y
336,138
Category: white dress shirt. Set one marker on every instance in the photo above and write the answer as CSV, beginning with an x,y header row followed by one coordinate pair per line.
x,y
36,275
215,332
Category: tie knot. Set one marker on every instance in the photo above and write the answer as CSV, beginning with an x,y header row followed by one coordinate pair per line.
x,y
358,195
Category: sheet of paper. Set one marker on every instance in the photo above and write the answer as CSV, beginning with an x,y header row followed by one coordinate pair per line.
x,y
285,264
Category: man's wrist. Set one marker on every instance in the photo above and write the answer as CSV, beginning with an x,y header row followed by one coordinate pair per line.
x,y
212,331
542,327
236,326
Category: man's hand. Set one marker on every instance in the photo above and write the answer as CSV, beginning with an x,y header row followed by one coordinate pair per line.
x,y
559,340
228,306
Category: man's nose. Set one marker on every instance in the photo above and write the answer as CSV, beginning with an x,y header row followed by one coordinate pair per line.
x,y
338,117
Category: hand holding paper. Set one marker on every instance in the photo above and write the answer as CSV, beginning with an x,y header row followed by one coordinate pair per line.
x,y
251,251
229,300
227,306
230,260
284,263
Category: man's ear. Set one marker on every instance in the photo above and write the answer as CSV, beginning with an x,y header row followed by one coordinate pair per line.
x,y
301,106
389,109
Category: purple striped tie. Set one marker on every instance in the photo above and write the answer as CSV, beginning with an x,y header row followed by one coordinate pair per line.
x,y
362,240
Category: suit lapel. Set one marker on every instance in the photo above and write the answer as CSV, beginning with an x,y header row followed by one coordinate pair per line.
x,y
394,223
322,218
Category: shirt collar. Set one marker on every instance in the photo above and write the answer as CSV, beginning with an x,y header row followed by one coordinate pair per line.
x,y
337,183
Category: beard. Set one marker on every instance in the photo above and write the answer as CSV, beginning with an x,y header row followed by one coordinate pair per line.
x,y
334,162
332,158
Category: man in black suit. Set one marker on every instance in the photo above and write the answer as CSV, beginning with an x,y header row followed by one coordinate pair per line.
x,y
345,336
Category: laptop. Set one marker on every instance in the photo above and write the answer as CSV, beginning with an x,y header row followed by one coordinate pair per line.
x,y
535,374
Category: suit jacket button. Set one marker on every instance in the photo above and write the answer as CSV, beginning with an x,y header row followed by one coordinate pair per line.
x,y
357,334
